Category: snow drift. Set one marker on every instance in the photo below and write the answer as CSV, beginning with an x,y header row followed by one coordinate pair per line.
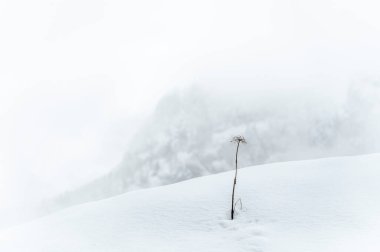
x,y
320,205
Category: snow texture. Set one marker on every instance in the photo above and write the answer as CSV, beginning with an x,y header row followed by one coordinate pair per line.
x,y
319,205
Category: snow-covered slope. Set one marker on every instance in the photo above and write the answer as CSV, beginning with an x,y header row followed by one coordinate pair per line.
x,y
188,135
319,205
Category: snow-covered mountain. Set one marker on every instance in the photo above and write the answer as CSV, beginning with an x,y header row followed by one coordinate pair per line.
x,y
77,73
320,205
188,135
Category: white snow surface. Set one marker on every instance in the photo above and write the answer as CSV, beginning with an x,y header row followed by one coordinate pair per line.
x,y
318,205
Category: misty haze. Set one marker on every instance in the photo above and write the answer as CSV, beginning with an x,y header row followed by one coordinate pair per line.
x,y
117,119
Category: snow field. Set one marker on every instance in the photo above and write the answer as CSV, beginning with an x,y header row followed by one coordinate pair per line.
x,y
318,205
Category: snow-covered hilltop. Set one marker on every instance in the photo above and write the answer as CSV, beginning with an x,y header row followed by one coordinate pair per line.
x,y
320,205
188,135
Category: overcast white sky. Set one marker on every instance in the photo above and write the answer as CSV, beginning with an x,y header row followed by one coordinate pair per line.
x,y
76,76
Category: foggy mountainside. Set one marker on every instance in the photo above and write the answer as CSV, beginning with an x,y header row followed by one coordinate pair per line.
x,y
97,96
188,136
175,126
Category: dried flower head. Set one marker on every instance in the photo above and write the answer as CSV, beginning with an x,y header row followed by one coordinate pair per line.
x,y
238,139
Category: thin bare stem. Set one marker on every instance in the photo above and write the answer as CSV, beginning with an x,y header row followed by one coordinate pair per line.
x,y
238,140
